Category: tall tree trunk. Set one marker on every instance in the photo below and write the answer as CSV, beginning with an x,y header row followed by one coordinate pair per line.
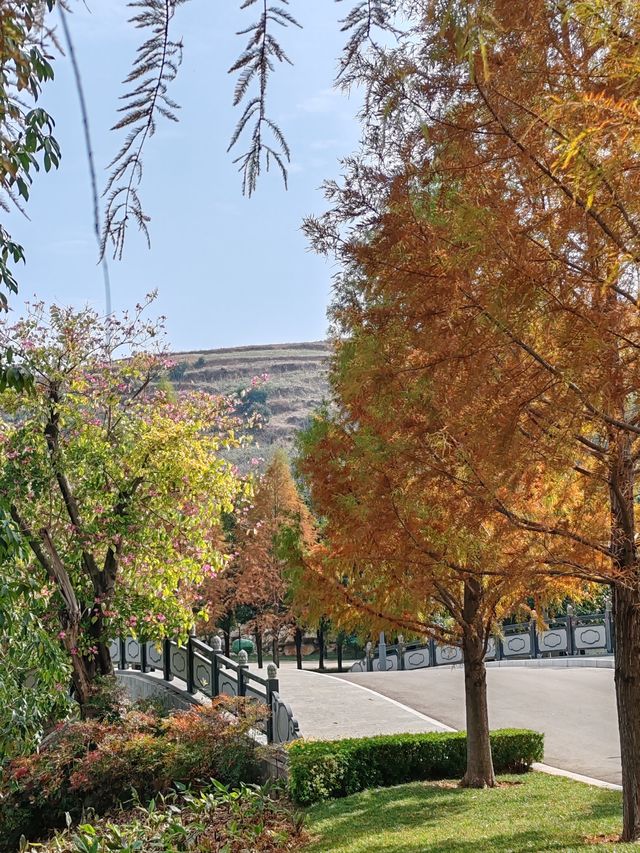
x,y
298,642
321,646
103,665
339,651
258,636
479,772
275,650
83,668
226,633
626,614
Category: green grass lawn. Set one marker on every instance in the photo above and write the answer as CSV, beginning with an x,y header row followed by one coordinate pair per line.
x,y
534,812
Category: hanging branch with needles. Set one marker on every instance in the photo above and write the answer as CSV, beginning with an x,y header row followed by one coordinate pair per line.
x,y
257,62
154,69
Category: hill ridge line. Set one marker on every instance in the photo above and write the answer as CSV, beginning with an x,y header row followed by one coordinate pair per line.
x,y
254,347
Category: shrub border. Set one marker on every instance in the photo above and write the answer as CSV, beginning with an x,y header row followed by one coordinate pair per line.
x,y
321,770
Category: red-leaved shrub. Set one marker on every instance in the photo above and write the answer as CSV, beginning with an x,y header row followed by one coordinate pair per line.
x,y
101,765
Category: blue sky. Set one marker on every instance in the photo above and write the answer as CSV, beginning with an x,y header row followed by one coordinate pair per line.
x,y
229,270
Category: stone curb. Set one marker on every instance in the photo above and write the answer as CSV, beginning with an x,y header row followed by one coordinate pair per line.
x,y
597,662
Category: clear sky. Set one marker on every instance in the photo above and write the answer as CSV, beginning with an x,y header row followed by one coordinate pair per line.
x,y
229,270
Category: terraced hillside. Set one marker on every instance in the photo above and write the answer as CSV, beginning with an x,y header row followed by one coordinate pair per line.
x,y
297,384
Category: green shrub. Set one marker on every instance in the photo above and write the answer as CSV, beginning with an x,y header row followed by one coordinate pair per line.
x,y
319,770
211,820
100,765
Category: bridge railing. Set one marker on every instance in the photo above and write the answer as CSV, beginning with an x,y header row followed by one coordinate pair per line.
x,y
570,635
206,670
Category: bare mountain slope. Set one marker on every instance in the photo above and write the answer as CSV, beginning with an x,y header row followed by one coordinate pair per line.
x,y
297,384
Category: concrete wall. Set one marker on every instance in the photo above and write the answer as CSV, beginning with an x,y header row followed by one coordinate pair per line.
x,y
141,685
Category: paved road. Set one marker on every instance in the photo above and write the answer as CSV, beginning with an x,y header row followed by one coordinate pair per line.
x,y
574,707
328,708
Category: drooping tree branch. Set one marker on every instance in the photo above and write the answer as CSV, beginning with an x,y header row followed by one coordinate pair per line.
x,y
257,61
154,69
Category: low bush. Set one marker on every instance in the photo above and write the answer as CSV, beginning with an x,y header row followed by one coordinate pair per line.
x,y
319,770
100,765
211,820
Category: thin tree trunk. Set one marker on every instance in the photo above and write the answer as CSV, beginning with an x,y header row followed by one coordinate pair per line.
x,y
275,652
298,642
227,641
339,651
626,610
479,772
626,615
321,647
258,636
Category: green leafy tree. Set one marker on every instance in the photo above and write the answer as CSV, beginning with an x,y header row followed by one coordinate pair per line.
x,y
35,670
116,487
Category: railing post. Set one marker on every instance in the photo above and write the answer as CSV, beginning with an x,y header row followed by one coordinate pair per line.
x,y
382,653
273,686
400,652
608,626
432,652
166,660
243,663
143,657
498,643
369,656
216,648
570,639
191,685
533,632
123,653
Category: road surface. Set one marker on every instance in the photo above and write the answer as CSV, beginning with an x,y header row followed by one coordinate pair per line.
x,y
574,707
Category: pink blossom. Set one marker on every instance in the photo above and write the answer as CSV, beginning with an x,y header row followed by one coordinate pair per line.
x,y
62,635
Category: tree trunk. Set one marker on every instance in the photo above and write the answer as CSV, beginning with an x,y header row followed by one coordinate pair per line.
x,y
103,665
479,772
298,642
275,651
339,651
82,677
626,615
226,633
321,647
626,611
258,636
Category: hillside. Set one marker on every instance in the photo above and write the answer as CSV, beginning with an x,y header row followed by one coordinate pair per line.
x,y
297,384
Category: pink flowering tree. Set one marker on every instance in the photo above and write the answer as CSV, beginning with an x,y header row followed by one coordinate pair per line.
x,y
115,484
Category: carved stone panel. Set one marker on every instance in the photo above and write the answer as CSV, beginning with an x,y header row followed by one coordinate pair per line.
x,y
417,658
553,640
155,655
590,637
132,650
448,654
516,644
392,663
179,662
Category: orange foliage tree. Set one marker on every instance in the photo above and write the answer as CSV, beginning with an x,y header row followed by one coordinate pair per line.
x,y
261,572
497,223
403,547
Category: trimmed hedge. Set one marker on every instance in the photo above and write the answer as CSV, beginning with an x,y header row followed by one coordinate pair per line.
x,y
321,770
